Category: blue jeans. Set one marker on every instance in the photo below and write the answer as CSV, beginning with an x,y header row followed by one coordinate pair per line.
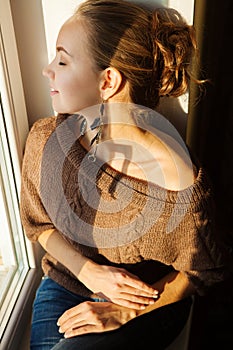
x,y
50,302
159,327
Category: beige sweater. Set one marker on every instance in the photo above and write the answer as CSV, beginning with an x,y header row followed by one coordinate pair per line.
x,y
113,218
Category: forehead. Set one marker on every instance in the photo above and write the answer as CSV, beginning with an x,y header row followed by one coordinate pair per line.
x,y
72,36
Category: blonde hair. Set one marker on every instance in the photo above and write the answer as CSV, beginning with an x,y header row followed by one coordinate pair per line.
x,y
153,50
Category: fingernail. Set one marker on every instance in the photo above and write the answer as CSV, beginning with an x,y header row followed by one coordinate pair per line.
x,y
60,331
151,302
142,307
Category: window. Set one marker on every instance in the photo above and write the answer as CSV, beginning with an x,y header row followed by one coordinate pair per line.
x,y
16,258
13,259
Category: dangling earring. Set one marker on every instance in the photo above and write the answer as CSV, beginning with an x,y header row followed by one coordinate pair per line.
x,y
98,123
83,126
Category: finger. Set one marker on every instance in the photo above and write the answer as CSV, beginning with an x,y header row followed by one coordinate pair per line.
x,y
138,298
129,287
140,286
137,305
77,316
72,324
83,330
68,314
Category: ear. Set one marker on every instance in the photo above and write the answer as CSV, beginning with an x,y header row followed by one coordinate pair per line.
x,y
110,82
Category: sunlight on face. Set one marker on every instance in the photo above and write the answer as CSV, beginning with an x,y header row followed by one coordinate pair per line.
x,y
73,82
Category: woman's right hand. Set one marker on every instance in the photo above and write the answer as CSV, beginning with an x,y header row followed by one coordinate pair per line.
x,y
117,285
114,284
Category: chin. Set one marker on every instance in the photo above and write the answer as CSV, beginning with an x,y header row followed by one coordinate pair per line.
x,y
64,110
61,110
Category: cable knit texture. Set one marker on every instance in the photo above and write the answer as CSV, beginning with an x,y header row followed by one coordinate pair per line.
x,y
153,231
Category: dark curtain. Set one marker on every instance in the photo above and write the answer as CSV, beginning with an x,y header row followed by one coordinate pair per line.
x,y
210,136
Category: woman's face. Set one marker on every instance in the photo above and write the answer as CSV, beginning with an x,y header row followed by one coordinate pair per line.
x,y
74,84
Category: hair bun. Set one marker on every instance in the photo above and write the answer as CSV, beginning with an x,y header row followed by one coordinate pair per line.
x,y
174,43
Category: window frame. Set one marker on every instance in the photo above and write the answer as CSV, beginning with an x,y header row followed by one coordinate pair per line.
x,y
17,128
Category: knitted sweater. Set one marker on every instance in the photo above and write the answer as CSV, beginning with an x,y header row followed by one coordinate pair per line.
x,y
112,218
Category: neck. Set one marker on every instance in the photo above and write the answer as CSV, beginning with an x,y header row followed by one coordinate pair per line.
x,y
152,156
119,122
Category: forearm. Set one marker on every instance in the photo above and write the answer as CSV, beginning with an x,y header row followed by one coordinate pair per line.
x,y
112,283
173,287
53,243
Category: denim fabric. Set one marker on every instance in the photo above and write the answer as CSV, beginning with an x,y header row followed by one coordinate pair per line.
x,y
155,330
50,302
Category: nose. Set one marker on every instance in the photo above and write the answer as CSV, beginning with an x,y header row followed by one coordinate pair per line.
x,y
48,72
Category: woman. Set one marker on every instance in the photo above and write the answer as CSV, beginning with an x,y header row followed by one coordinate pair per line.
x,y
109,189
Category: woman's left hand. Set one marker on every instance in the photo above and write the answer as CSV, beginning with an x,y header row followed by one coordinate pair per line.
x,y
94,317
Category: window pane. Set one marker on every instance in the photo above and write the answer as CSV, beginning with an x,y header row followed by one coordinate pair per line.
x,y
13,258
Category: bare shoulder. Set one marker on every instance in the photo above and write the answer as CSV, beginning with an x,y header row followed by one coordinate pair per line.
x,y
159,160
174,163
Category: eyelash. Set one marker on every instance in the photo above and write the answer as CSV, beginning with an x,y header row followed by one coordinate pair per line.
x,y
61,64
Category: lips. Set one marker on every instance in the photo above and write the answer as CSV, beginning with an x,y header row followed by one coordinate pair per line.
x,y
53,92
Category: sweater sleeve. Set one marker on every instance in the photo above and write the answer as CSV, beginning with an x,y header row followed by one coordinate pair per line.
x,y
33,214
202,256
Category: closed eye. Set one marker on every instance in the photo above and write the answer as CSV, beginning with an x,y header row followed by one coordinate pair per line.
x,y
62,64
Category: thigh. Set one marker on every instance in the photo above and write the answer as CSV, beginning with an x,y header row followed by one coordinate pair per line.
x,y
50,302
156,329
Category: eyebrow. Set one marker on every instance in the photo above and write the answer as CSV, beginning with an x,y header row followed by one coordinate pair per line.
x,y
61,48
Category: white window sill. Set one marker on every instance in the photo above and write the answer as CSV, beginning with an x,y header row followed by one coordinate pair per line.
x,y
20,319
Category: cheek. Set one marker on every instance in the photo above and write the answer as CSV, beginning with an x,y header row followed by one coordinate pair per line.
x,y
71,84
79,87
79,93
85,86
68,83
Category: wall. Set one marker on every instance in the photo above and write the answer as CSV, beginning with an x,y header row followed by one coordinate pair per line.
x,y
30,37
64,9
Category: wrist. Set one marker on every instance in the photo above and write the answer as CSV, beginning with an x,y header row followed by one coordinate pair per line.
x,y
86,273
